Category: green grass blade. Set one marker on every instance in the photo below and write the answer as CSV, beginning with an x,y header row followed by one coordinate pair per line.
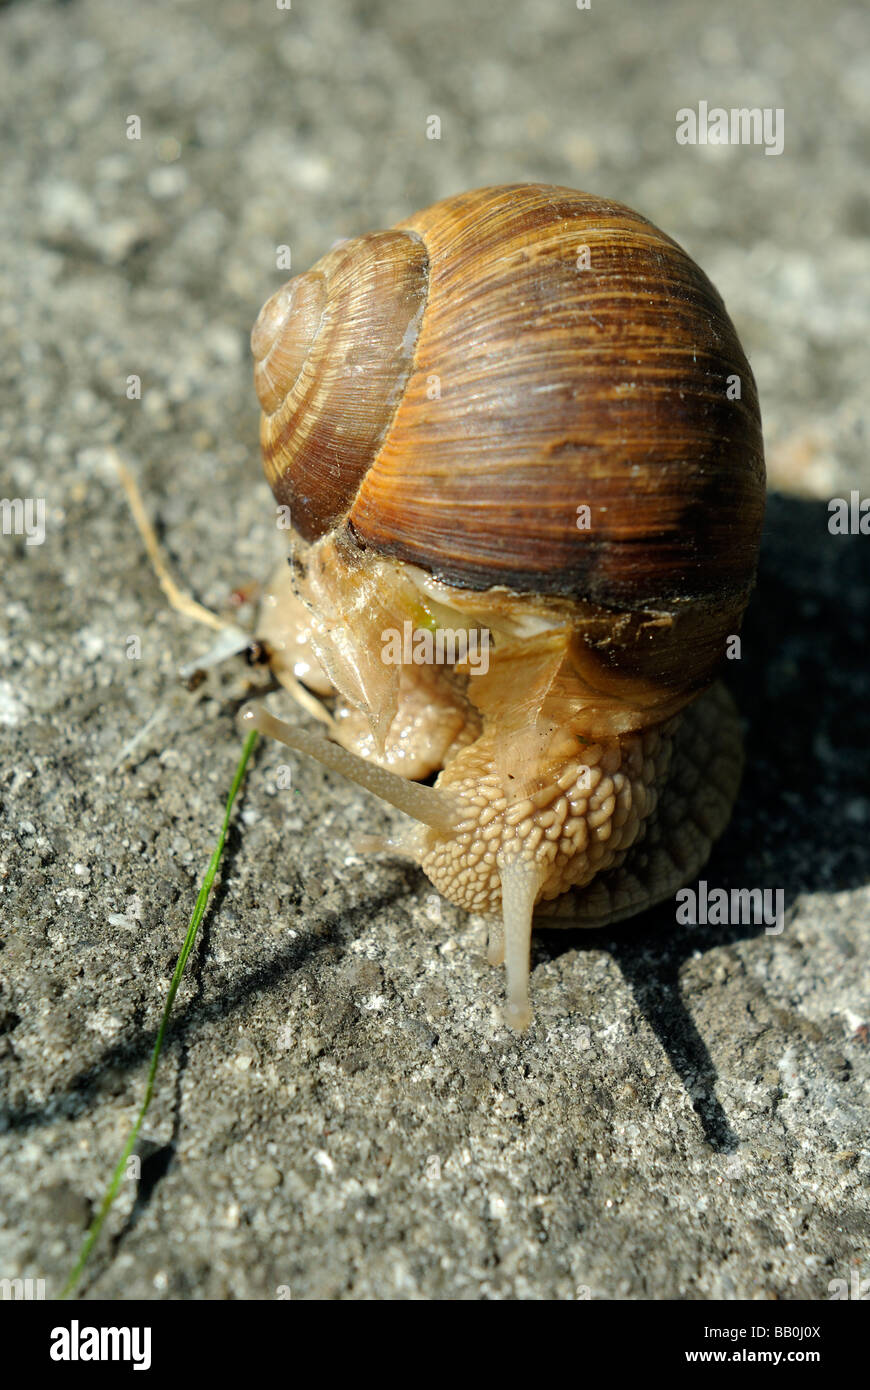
x,y
198,914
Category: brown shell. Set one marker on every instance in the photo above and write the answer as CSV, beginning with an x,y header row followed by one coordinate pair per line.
x,y
463,439
333,351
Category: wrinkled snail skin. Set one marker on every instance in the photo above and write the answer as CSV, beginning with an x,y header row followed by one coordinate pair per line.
x,y
441,403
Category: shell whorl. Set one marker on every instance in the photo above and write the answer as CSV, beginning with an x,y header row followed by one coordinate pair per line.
x,y
333,350
282,337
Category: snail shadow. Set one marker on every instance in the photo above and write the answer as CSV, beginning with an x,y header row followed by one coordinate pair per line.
x,y
802,817
650,952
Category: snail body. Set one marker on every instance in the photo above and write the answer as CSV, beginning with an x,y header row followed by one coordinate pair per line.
x,y
512,416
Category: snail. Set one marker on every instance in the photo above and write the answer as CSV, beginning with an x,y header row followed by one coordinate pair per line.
x,y
520,416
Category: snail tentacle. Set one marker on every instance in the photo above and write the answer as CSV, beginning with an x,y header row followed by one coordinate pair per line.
x,y
521,881
428,805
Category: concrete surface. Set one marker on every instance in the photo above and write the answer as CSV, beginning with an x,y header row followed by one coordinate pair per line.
x,y
340,1112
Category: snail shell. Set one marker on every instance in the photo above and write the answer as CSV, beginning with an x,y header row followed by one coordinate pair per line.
x,y
514,413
